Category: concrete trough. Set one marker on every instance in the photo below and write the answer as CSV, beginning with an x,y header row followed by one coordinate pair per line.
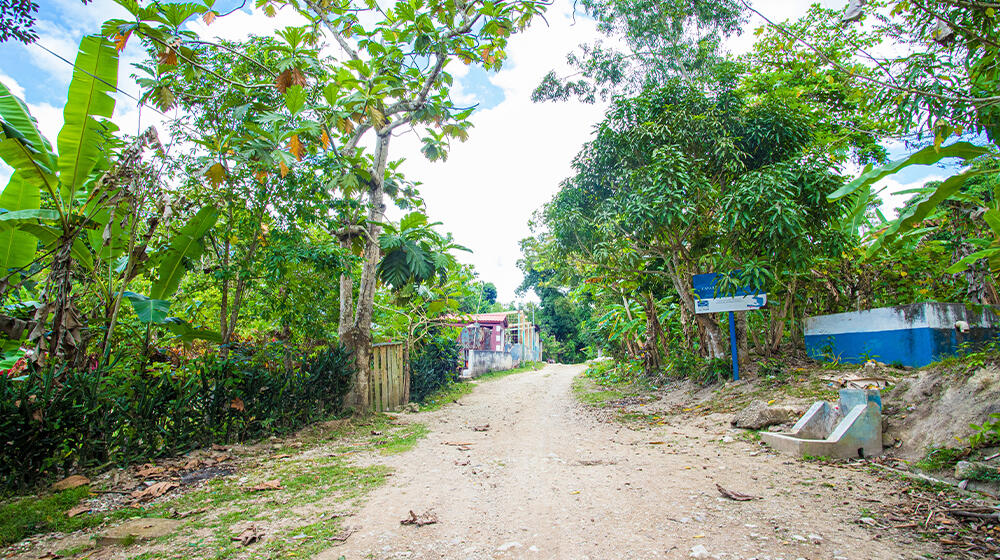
x,y
850,428
911,335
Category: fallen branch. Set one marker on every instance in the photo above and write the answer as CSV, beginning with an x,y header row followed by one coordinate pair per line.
x,y
426,518
737,496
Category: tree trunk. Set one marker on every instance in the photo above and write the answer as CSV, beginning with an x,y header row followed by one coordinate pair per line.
x,y
778,323
224,299
708,329
346,318
358,338
653,361
742,338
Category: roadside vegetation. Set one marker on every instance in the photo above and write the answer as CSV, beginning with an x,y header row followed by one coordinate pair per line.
x,y
276,487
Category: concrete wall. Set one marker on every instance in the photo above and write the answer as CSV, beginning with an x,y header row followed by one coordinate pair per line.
x,y
913,335
521,353
482,361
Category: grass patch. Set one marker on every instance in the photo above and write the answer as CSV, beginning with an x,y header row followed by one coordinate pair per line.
x,y
318,479
941,458
292,516
32,515
491,375
446,394
604,383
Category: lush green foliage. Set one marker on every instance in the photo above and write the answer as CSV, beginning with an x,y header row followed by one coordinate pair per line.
x,y
55,422
433,365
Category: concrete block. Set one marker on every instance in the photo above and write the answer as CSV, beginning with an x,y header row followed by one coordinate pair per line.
x,y
135,530
851,428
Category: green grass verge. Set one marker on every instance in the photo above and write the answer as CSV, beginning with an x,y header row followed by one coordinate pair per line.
x,y
491,375
446,394
458,389
318,479
28,516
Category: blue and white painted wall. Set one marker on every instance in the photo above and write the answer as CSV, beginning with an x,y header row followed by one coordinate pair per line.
x,y
912,335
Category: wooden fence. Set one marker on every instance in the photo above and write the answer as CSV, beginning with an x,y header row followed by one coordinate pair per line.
x,y
389,385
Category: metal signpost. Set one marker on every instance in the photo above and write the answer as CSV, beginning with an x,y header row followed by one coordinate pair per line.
x,y
709,302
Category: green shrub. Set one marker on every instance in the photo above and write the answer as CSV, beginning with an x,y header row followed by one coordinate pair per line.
x,y
55,422
433,365
987,433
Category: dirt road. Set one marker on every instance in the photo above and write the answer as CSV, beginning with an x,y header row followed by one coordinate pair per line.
x,y
549,480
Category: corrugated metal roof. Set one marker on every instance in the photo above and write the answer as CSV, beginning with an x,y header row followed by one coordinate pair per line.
x,y
481,318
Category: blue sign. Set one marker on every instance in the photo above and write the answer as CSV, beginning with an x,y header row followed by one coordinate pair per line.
x,y
708,302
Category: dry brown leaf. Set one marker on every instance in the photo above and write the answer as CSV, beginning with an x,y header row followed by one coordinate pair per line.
x,y
325,139
656,442
155,491
208,17
149,470
78,510
738,496
298,78
283,168
426,518
462,463
192,464
168,57
282,456
283,81
120,40
249,535
481,428
71,482
374,433
266,485
49,556
295,147
237,404
457,443
181,515
217,447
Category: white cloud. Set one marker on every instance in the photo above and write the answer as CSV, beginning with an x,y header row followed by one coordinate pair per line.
x,y
12,85
517,154
893,196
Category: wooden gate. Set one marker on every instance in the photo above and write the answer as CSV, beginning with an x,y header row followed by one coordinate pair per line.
x,y
389,386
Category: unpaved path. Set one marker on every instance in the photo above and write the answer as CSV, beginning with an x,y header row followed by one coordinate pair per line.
x,y
549,480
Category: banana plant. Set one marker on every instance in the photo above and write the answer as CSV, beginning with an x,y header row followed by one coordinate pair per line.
x,y
930,198
72,181
65,202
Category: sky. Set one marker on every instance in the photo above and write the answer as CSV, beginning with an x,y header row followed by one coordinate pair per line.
x,y
486,191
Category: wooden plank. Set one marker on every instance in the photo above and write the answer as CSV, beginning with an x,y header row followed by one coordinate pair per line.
x,y
399,375
385,379
393,390
371,380
393,380
381,381
377,380
390,375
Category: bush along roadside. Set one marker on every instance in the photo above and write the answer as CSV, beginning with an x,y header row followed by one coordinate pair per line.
x,y
59,421
433,365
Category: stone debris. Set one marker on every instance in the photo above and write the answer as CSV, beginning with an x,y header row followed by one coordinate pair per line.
x,y
759,415
138,530
699,551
